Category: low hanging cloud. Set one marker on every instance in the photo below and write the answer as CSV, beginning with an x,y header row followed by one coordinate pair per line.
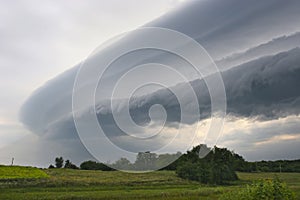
x,y
263,89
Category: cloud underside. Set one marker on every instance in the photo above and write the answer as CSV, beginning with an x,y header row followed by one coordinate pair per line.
x,y
274,139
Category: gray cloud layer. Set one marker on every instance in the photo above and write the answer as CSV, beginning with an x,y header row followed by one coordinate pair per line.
x,y
263,89
276,45
229,26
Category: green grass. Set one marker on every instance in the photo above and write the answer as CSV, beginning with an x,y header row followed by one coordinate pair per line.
x,y
63,184
16,172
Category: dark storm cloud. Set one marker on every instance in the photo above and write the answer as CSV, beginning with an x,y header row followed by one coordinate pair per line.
x,y
265,88
202,20
230,26
262,89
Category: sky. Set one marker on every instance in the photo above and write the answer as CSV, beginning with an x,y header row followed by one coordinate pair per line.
x,y
258,62
39,40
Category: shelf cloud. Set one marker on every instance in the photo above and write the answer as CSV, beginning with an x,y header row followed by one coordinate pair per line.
x,y
259,63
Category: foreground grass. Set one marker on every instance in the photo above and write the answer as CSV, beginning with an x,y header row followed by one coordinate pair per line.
x,y
65,184
292,179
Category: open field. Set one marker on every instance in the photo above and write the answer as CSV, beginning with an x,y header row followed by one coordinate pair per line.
x,y
16,172
65,184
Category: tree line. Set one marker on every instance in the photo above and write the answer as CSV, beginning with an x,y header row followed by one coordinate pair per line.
x,y
275,166
219,166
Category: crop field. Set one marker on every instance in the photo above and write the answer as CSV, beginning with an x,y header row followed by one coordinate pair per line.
x,y
67,184
16,172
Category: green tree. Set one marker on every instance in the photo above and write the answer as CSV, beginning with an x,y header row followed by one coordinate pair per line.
x,y
170,161
59,161
217,167
145,161
122,164
70,165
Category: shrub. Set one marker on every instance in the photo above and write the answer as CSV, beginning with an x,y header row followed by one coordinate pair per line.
x,y
92,165
70,165
264,190
51,167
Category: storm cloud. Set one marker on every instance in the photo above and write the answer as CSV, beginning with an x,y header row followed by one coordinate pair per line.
x,y
261,90
259,62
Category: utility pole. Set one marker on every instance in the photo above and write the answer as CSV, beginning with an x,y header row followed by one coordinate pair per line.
x,y
280,167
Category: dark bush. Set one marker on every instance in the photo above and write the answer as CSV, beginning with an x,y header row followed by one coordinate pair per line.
x,y
70,165
92,165
51,167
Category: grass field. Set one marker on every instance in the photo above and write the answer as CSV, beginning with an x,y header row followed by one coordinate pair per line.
x,y
66,184
16,172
